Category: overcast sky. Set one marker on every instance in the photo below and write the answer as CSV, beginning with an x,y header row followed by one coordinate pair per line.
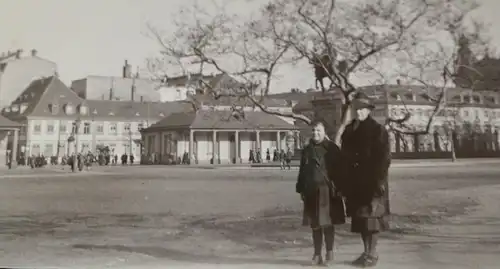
x,y
94,37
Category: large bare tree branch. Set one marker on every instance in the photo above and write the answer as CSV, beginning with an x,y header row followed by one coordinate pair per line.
x,y
344,39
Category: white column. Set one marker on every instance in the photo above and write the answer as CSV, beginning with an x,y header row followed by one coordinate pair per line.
x,y
14,147
237,146
278,141
214,146
191,146
257,140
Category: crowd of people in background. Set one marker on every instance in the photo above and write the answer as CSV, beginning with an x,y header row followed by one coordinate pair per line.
x,y
283,157
75,161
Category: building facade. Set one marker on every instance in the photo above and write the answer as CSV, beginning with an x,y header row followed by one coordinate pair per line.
x,y
217,136
9,137
18,71
51,113
461,114
128,87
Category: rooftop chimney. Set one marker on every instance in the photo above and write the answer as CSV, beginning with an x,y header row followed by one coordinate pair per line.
x,y
142,99
18,53
132,91
111,90
127,70
33,52
398,81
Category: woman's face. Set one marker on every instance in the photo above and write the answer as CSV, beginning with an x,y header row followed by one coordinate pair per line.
x,y
318,132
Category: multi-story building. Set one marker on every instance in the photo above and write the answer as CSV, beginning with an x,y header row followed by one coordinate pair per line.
x,y
128,87
181,87
51,113
461,110
9,135
18,71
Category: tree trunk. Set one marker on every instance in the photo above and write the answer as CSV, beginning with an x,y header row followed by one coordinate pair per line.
x,y
453,153
346,117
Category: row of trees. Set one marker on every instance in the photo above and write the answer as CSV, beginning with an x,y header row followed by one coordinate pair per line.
x,y
345,43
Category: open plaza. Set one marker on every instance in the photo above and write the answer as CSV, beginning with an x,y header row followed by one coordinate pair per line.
x,y
444,215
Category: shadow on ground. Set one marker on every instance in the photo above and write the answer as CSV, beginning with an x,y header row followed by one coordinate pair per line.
x,y
166,253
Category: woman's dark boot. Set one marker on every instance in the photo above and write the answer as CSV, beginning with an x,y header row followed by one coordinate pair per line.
x,y
329,239
318,245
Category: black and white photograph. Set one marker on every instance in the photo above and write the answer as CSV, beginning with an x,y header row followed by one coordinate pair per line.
x,y
243,134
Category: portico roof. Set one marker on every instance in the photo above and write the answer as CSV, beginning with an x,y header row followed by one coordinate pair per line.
x,y
222,120
8,124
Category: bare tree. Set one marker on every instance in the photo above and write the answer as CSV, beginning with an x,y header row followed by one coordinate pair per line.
x,y
343,40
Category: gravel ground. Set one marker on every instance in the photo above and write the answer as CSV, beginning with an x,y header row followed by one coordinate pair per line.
x,y
168,217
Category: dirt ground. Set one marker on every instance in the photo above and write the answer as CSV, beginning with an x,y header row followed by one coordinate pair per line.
x,y
167,217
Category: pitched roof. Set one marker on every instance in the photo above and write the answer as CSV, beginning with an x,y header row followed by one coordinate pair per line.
x,y
6,123
39,99
222,120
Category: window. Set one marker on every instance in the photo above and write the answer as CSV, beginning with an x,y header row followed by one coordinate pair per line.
x,y
140,126
48,150
126,127
467,99
37,128
86,128
50,127
62,127
112,128
456,98
476,99
100,128
466,113
73,128
85,147
35,149
410,97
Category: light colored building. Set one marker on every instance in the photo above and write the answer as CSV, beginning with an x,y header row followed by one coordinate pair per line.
x,y
9,136
220,135
50,112
128,87
18,71
461,111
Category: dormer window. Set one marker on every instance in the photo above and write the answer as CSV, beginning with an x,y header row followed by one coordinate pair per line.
x,y
426,96
137,114
15,108
83,109
7,109
467,99
94,112
490,99
410,96
69,109
162,115
457,98
396,96
111,113
476,99
23,107
54,109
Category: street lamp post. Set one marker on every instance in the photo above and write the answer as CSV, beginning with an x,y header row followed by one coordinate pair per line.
x,y
74,137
